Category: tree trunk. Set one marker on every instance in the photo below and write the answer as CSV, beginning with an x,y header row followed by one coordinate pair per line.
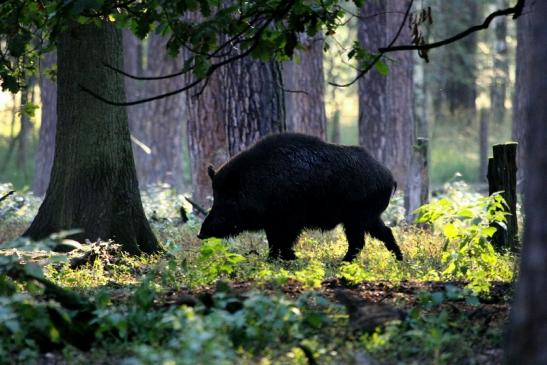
x,y
25,128
206,136
523,76
528,322
253,102
501,66
483,147
417,192
502,176
161,121
386,120
460,58
304,85
93,184
46,142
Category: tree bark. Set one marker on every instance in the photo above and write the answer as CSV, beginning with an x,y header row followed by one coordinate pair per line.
x,y
206,136
25,128
523,76
528,320
483,144
161,121
253,102
417,192
304,85
386,120
46,142
500,77
93,184
460,58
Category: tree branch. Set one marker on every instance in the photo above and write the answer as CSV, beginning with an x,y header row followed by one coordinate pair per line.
x,y
515,10
279,12
377,58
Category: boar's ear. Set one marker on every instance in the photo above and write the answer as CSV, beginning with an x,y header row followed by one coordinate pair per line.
x,y
211,172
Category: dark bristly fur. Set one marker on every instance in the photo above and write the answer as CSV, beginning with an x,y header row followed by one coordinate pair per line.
x,y
288,182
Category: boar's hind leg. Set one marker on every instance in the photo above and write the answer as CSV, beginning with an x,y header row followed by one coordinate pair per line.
x,y
280,242
379,231
355,234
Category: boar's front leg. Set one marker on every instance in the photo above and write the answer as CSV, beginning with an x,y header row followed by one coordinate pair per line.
x,y
281,240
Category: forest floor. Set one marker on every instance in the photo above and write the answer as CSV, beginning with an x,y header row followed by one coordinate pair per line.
x,y
222,302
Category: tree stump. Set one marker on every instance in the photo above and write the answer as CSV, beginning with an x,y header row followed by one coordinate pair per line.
x,y
502,176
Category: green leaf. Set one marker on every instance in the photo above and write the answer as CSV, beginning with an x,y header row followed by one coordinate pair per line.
x,y
489,231
450,231
381,67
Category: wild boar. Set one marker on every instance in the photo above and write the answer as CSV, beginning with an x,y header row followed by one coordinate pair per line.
x,y
289,182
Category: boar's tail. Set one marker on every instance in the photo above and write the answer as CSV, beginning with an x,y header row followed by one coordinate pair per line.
x,y
394,188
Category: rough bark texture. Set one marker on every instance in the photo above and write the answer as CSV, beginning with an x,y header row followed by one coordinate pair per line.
x,y
305,105
523,76
483,144
46,142
206,136
528,323
253,102
502,176
93,184
417,192
386,119
500,78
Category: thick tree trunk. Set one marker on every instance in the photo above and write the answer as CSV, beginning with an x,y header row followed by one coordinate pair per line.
x,y
501,66
161,121
253,102
46,142
526,343
93,184
206,136
523,76
304,85
386,119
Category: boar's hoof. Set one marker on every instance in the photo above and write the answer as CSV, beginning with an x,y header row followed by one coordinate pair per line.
x,y
288,255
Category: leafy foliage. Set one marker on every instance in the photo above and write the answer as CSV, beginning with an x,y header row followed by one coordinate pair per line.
x,y
137,316
263,29
467,229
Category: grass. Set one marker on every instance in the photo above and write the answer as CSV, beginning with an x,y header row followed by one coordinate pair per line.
x,y
287,307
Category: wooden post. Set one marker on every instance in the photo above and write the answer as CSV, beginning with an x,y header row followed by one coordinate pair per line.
x,y
502,176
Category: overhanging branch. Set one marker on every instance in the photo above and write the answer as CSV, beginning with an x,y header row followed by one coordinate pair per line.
x,y
516,11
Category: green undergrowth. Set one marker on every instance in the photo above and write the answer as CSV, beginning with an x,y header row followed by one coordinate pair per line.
x,y
285,314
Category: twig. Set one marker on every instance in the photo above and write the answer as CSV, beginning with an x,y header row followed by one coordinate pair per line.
x,y
196,206
5,196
